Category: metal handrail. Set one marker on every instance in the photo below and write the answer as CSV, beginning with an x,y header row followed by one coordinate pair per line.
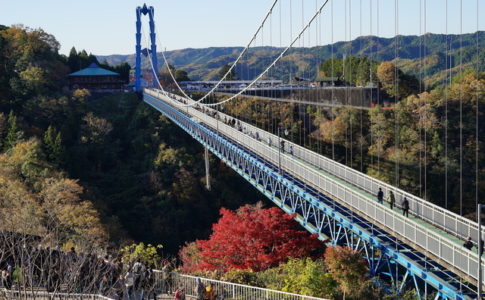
x,y
51,295
232,290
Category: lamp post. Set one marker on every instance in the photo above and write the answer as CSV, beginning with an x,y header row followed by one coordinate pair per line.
x,y
479,219
280,146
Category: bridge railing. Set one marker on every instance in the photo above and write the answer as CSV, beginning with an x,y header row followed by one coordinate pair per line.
x,y
230,290
430,212
443,248
43,295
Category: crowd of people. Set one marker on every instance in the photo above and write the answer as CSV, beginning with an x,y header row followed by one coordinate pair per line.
x,y
235,123
70,272
53,270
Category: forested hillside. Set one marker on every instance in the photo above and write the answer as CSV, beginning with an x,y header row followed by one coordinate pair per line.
x,y
424,56
131,174
96,171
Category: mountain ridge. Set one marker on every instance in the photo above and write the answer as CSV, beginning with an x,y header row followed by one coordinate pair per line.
x,y
437,51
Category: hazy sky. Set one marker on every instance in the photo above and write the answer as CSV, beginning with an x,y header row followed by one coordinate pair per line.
x,y
108,26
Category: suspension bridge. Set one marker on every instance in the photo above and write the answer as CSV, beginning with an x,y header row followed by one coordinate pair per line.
x,y
423,250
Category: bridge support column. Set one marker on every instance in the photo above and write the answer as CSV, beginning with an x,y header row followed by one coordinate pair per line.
x,y
207,174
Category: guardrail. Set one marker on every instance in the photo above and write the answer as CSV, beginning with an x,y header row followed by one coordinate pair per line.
x,y
229,290
443,248
438,216
42,295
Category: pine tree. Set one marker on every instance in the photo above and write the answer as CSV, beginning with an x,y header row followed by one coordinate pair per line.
x,y
73,60
58,150
53,145
14,134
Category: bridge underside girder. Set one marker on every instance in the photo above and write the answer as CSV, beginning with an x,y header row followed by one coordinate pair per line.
x,y
330,220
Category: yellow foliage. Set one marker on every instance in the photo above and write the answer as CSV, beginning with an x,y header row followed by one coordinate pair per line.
x,y
33,76
35,199
19,211
81,94
64,209
165,155
145,253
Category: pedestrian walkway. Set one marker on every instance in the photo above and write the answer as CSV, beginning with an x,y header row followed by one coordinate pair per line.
x,y
372,197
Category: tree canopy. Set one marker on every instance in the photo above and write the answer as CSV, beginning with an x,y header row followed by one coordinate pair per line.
x,y
252,238
224,69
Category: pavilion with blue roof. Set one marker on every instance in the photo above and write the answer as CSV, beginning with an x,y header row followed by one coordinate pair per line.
x,y
95,79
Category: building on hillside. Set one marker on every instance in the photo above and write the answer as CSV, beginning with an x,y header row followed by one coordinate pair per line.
x,y
96,79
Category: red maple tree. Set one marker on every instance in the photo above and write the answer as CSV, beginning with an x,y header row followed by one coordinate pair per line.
x,y
250,238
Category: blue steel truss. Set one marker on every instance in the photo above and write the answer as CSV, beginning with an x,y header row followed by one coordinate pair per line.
x,y
330,220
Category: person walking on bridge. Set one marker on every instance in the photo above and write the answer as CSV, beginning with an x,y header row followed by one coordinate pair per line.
x,y
380,196
392,199
405,207
468,244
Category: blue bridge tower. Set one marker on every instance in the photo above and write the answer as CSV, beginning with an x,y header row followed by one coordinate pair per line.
x,y
153,50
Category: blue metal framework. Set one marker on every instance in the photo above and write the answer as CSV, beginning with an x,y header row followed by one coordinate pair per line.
x,y
153,51
333,222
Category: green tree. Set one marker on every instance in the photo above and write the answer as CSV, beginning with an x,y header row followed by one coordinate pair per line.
x,y
73,60
247,277
124,70
53,147
381,130
14,134
181,75
302,276
353,70
145,253
348,269
231,76
34,78
3,128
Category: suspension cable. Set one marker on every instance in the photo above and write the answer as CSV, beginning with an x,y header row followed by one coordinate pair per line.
x,y
260,75
275,61
477,114
446,105
245,50
461,108
150,59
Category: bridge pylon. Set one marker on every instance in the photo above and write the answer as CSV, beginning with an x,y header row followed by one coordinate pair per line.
x,y
153,48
